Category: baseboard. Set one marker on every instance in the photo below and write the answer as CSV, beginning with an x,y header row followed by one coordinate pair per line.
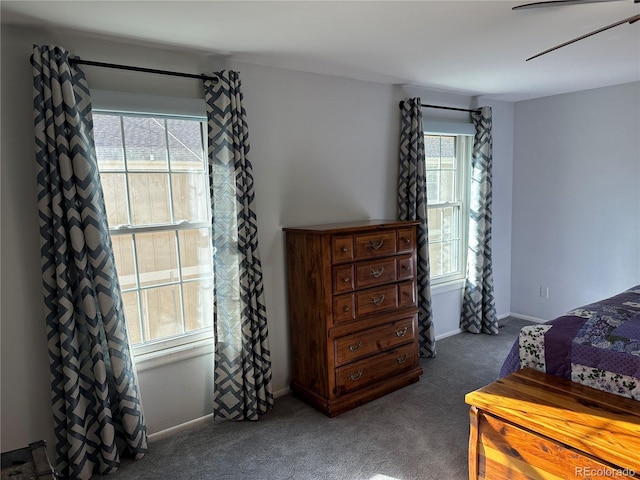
x,y
179,428
448,334
282,392
198,421
527,317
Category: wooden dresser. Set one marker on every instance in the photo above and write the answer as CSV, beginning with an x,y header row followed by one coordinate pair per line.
x,y
352,311
530,425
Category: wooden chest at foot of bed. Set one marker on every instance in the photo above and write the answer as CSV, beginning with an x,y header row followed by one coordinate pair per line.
x,y
531,425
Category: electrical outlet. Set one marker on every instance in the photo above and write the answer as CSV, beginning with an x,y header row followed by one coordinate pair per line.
x,y
544,291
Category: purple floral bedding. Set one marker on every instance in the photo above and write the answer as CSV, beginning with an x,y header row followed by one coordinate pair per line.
x,y
597,345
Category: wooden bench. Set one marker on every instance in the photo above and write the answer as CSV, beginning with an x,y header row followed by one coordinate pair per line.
x,y
530,425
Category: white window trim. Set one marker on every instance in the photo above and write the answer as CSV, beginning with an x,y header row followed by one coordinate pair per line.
x,y
197,347
459,130
196,343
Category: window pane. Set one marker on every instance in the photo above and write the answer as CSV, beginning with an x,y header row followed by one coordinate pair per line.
x,y
433,163
107,135
449,222
446,258
432,151
433,184
145,141
125,263
435,259
190,197
448,152
454,245
450,251
185,145
131,314
447,186
157,258
149,194
434,217
195,253
162,311
198,304
115,198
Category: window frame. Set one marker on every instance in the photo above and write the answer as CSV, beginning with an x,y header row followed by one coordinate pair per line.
x,y
189,343
464,150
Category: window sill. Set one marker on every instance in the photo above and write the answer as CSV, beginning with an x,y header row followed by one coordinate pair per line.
x,y
166,356
448,286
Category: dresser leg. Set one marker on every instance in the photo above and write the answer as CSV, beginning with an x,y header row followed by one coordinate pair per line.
x,y
473,443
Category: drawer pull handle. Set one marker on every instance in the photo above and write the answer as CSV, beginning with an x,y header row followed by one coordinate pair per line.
x,y
355,376
346,309
378,300
401,333
344,249
346,279
376,273
407,294
401,359
355,346
407,240
375,245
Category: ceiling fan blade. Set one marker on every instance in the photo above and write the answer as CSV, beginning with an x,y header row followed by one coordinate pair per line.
x,y
630,20
557,3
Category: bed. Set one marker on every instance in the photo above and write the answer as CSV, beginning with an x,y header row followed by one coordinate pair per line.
x,y
597,345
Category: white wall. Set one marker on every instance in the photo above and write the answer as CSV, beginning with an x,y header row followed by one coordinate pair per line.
x,y
324,149
576,199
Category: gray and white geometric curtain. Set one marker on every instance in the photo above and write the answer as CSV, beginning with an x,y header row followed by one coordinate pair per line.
x,y
412,205
96,404
242,371
478,305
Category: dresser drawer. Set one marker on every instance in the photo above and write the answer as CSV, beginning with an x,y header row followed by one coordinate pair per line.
x,y
349,277
343,278
341,248
405,268
406,294
344,308
376,300
361,344
375,244
406,239
348,306
364,372
377,272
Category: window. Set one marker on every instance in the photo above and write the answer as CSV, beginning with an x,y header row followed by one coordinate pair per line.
x,y
447,160
154,176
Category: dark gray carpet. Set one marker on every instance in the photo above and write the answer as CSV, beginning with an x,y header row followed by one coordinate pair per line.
x,y
417,433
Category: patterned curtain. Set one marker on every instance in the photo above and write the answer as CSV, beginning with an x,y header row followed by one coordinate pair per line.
x,y
478,306
242,374
96,404
412,205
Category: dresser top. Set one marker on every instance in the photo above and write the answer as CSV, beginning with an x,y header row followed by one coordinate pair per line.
x,y
362,225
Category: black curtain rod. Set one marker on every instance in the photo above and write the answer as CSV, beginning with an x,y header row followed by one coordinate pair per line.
x,y
78,61
444,108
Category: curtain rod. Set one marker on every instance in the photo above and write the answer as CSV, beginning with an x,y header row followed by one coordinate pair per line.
x,y
445,108
78,61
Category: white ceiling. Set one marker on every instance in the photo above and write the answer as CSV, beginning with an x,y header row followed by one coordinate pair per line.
x,y
468,47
